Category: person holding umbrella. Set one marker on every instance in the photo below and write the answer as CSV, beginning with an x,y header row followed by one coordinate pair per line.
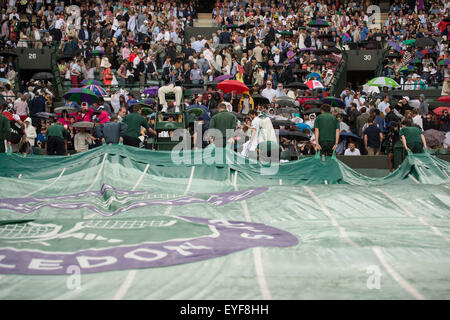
x,y
326,131
246,104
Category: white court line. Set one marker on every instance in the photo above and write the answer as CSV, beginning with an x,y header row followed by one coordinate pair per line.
x,y
98,173
413,179
402,282
169,208
265,292
330,216
141,177
421,220
46,186
125,285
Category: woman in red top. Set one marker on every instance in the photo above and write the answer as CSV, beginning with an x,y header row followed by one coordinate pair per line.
x,y
103,116
65,120
106,73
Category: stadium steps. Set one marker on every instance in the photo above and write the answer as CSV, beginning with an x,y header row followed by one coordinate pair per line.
x,y
204,20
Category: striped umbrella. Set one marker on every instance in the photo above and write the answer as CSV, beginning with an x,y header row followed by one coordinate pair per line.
x,y
382,82
99,91
81,95
407,68
88,82
314,84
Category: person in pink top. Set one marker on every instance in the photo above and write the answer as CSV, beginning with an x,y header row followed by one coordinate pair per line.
x,y
21,108
65,120
103,116
85,113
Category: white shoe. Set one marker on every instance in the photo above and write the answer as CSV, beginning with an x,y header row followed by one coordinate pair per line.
x,y
165,107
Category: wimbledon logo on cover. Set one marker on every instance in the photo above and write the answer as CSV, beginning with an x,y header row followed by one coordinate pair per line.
x,y
43,247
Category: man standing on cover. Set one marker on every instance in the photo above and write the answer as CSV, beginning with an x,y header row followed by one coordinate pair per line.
x,y
222,121
326,131
134,122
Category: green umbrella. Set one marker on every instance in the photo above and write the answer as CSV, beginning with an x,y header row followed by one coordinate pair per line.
x,y
409,42
81,95
382,82
285,32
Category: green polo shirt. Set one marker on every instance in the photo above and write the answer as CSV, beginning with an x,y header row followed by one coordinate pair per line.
x,y
57,130
222,121
412,134
327,125
134,121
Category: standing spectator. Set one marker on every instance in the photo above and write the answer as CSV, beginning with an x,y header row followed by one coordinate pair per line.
x,y
444,121
372,137
269,92
30,132
82,140
352,150
21,107
222,121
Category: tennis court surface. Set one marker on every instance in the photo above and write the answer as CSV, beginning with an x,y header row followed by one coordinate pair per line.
x,y
123,223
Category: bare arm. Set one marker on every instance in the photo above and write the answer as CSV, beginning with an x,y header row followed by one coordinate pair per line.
x,y
338,131
424,141
316,134
404,143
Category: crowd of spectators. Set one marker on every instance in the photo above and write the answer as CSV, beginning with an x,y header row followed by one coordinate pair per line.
x,y
266,45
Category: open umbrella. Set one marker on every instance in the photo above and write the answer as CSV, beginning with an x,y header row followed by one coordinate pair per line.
x,y
394,55
282,123
444,99
4,81
424,42
313,75
81,95
98,53
7,53
318,23
260,100
89,82
229,86
69,109
153,91
322,52
196,91
312,110
314,84
395,46
426,51
223,77
334,102
409,42
287,110
407,69
285,101
64,57
444,62
318,62
83,124
45,115
293,135
99,91
308,49
200,110
437,104
440,110
42,76
434,138
382,82
349,135
297,85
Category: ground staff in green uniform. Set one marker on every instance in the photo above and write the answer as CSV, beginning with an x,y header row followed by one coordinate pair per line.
x,y
57,137
5,131
412,137
134,122
222,121
326,131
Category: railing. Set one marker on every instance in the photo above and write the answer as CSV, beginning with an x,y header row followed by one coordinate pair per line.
x,y
338,74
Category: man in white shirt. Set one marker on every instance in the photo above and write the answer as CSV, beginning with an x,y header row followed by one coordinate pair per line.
x,y
269,92
352,150
384,104
280,90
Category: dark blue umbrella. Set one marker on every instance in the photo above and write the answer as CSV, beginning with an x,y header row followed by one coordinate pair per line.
x,y
347,135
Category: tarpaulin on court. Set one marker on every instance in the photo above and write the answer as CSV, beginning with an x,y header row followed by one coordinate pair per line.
x,y
127,223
